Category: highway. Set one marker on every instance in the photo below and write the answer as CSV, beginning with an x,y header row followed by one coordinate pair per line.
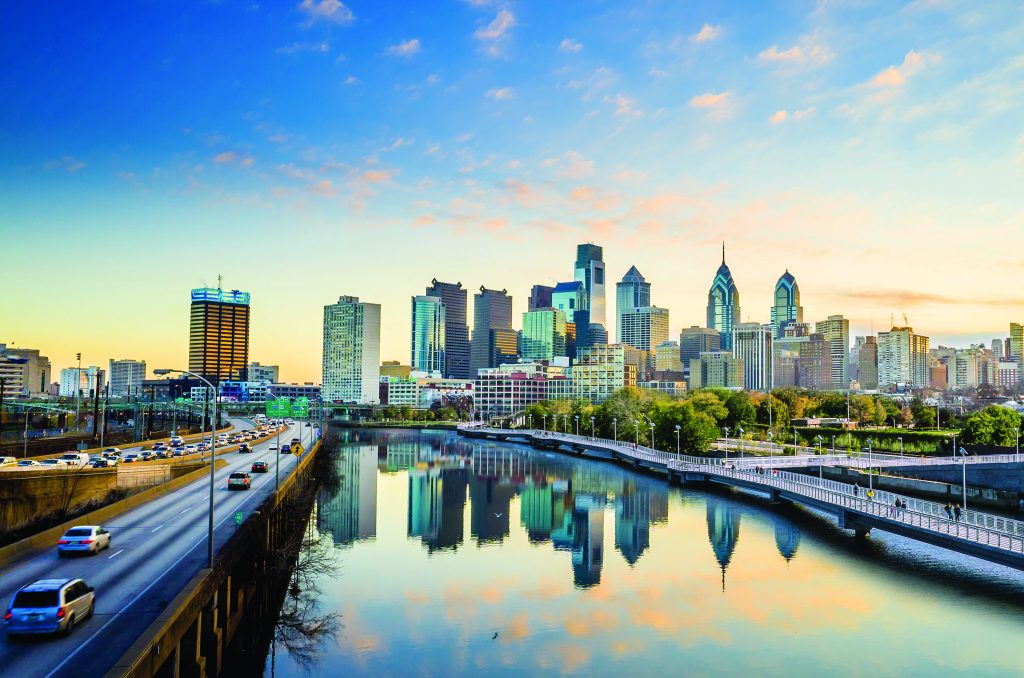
x,y
155,550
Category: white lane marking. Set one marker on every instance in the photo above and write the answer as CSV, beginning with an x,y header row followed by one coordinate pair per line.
x,y
115,555
144,591
186,508
156,528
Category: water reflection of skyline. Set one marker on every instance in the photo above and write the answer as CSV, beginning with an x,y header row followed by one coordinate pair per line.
x,y
560,501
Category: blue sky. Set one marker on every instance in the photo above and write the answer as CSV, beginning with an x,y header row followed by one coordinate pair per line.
x,y
311,149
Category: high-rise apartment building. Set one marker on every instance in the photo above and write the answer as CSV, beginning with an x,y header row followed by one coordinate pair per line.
x,y
867,364
787,306
589,270
125,375
351,363
752,343
494,341
723,304
630,293
24,371
218,346
602,370
836,330
902,359
1015,345
540,297
716,369
427,343
543,334
666,357
696,340
456,331
644,327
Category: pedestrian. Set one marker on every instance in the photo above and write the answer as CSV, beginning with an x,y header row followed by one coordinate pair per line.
x,y
949,511
856,490
892,509
957,511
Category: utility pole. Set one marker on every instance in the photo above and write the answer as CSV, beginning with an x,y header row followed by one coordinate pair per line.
x,y
106,405
96,406
78,391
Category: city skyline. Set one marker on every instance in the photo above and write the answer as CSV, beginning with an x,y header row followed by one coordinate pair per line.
x,y
864,148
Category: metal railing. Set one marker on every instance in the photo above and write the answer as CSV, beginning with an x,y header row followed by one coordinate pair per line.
x,y
973,526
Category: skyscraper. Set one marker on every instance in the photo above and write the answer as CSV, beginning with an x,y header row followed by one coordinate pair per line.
x,y
456,331
218,346
589,270
428,325
723,304
351,367
125,375
644,327
543,334
752,343
540,297
630,293
867,364
1015,345
787,303
696,340
494,340
836,330
902,359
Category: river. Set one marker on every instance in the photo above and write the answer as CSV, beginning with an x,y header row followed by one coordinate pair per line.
x,y
436,555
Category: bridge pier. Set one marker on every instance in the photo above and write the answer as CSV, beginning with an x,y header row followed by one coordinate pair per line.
x,y
850,521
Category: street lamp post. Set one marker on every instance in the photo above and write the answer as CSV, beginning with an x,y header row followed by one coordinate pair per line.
x,y
615,428
678,456
213,458
771,450
870,489
636,427
820,471
78,392
576,418
651,424
726,429
544,421
565,423
592,434
901,446
963,460
740,441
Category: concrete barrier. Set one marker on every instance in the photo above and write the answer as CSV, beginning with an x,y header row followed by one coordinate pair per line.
x,y
29,545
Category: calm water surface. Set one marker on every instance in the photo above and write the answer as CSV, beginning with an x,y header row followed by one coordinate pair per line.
x,y
442,556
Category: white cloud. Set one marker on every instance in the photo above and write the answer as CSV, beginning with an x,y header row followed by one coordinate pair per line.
x,y
433,79
571,46
657,73
707,33
897,76
500,94
570,165
624,105
352,80
67,163
778,117
405,49
496,33
232,158
781,116
808,53
331,11
717,104
296,47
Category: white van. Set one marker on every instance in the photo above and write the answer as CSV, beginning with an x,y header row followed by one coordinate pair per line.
x,y
75,459
7,461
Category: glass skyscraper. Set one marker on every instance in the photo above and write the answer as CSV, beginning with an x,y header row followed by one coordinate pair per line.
x,y
494,341
723,304
456,331
631,292
787,306
543,334
589,270
428,334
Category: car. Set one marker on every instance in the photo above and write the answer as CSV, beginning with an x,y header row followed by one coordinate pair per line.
x,y
308,424
177,441
203,447
159,446
131,458
260,467
8,461
55,462
117,450
146,455
239,480
163,453
286,449
100,463
273,447
296,441
178,452
49,606
244,448
28,463
191,449
83,539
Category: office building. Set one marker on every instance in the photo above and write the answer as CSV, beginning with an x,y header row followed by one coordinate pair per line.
x,y
294,391
604,369
867,364
1015,344
644,327
723,304
589,270
270,374
427,344
218,346
997,349
24,371
124,374
718,369
543,334
787,306
903,360
494,341
82,382
393,368
510,388
814,363
351,362
540,297
666,357
456,331
752,343
836,330
630,293
696,340
1008,375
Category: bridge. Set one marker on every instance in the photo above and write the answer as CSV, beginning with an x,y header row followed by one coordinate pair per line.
x,y
983,535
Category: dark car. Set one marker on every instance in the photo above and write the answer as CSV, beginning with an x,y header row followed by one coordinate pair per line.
x,y
260,467
239,480
286,449
295,441
146,455
244,448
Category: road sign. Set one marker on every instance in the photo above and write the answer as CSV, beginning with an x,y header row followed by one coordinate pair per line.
x,y
297,450
238,517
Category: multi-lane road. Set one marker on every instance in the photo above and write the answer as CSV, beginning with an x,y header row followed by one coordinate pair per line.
x,y
155,550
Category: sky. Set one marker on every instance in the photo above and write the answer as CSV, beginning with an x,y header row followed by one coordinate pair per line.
x,y
310,149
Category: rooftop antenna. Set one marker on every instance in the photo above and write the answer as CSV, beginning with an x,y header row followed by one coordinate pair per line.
x,y
723,252
219,279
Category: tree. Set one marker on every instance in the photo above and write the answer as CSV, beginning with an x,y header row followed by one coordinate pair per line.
x,y
710,404
779,412
993,425
741,410
924,416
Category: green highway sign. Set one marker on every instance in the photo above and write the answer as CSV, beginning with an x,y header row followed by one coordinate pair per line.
x,y
238,517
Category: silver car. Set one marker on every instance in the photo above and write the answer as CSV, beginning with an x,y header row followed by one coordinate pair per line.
x,y
49,606
83,539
